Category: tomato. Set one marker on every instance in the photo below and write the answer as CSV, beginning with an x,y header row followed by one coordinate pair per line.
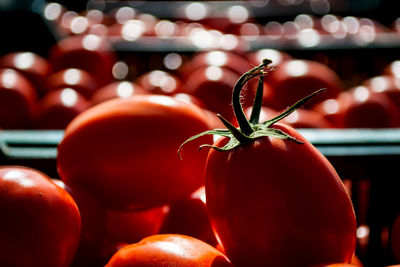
x,y
168,250
34,67
79,80
117,89
395,239
160,82
217,58
124,151
367,109
88,52
131,227
386,84
189,217
93,218
273,199
41,222
213,86
58,107
259,220
295,78
17,100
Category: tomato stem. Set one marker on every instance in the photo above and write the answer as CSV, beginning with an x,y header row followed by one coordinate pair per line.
x,y
243,122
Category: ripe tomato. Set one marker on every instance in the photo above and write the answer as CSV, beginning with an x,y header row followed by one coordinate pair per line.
x,y
160,82
213,86
189,217
93,218
58,107
79,80
168,250
117,89
367,109
124,151
294,79
34,67
17,100
282,211
41,222
132,226
88,52
273,199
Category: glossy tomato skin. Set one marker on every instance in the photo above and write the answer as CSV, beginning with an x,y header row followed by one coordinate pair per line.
x,y
294,78
169,250
41,222
57,108
126,150
278,203
17,100
34,67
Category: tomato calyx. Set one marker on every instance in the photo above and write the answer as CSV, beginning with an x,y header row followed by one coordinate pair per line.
x,y
250,129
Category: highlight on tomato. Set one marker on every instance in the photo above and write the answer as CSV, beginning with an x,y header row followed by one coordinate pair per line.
x,y
273,199
169,250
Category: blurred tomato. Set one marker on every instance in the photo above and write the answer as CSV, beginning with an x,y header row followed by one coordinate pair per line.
x,y
217,58
293,79
213,86
168,250
160,82
57,108
77,79
41,223
34,67
386,84
117,89
366,109
125,151
88,52
17,100
276,56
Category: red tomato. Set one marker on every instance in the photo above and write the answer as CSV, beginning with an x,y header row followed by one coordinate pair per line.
x,y
265,213
88,52
168,250
117,89
217,58
303,118
93,218
189,217
79,80
366,109
34,67
131,227
58,107
213,86
17,100
124,151
160,82
294,79
41,222
386,84
395,239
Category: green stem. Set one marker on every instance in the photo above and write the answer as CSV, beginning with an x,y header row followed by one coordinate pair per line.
x,y
255,112
244,124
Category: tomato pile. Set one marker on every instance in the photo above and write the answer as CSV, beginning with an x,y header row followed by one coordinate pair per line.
x,y
195,161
